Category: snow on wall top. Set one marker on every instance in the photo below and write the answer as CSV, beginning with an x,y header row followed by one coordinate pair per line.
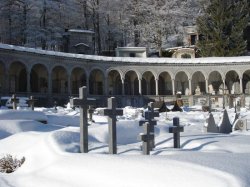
x,y
130,59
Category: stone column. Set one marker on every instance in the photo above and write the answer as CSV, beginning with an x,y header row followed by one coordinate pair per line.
x,y
49,83
224,86
241,86
156,87
28,81
123,87
139,86
87,84
206,86
69,85
106,86
190,86
173,86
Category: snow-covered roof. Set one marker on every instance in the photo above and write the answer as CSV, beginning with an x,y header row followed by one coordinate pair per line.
x,y
211,60
81,44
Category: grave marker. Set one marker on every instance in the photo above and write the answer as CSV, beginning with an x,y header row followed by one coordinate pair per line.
x,y
211,126
147,137
83,103
225,124
176,129
149,117
31,102
14,101
91,111
112,112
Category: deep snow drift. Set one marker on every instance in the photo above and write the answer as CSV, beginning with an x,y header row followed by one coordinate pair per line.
x,y
52,155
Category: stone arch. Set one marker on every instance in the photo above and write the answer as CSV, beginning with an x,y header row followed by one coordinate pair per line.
x,y
39,78
17,77
214,82
96,82
2,77
78,78
59,80
181,83
165,84
232,82
148,83
198,83
114,83
246,82
131,83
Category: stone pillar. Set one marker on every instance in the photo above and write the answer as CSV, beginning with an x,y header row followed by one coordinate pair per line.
x,y
190,86
87,84
206,86
173,86
69,85
241,86
123,87
28,81
106,86
156,87
224,86
49,83
139,86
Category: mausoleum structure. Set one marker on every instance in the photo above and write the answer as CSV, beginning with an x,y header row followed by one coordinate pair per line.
x,y
55,75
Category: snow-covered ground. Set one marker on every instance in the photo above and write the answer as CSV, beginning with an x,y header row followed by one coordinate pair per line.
x,y
52,157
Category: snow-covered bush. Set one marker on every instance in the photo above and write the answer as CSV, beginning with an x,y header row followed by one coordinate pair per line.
x,y
8,164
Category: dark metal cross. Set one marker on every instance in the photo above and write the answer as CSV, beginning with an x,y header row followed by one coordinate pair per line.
x,y
112,112
31,102
146,138
83,103
14,101
176,129
149,117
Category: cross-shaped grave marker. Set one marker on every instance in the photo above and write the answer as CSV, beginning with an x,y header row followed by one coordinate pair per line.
x,y
149,117
146,138
83,103
112,112
14,101
31,102
176,129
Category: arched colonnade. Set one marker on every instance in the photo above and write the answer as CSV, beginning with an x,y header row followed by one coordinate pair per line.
x,y
19,77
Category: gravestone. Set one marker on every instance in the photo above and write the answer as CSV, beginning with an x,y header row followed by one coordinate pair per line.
x,y
149,117
31,102
147,137
14,101
83,103
240,124
225,124
112,112
176,129
211,126
91,111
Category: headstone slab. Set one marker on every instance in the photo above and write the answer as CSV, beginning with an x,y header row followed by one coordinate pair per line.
x,y
211,126
240,124
225,125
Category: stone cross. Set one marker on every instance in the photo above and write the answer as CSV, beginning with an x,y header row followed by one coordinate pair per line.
x,y
112,112
14,101
31,102
146,138
149,117
176,129
83,103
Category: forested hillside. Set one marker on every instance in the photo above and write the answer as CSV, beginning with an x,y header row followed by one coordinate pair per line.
x,y
42,23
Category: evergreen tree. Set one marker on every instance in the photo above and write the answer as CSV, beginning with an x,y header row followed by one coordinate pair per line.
x,y
221,28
